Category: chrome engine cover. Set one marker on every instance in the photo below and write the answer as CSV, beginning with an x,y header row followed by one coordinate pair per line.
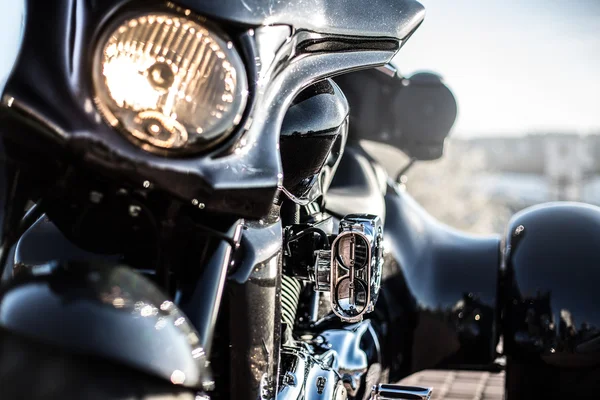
x,y
356,263
349,269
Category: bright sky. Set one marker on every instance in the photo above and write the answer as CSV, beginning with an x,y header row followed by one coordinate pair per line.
x,y
516,66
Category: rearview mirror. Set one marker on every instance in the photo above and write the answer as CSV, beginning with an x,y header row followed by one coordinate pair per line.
x,y
412,114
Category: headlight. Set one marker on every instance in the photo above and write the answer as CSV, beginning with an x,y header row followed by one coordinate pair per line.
x,y
169,82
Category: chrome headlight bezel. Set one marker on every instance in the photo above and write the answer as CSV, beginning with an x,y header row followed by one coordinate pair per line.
x,y
193,139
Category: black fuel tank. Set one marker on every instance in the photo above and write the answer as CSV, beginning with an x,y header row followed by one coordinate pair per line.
x,y
551,267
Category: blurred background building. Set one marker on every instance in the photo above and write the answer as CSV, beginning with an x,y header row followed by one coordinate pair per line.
x,y
521,171
481,181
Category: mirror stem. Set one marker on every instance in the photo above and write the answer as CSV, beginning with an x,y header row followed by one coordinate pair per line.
x,y
405,169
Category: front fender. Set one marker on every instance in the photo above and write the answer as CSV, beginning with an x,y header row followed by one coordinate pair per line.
x,y
106,311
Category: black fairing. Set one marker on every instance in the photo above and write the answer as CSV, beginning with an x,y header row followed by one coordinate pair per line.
x,y
52,89
374,18
552,269
444,286
44,242
106,311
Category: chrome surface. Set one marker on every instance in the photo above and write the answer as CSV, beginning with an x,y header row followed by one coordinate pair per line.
x,y
356,263
393,392
321,273
290,295
351,269
354,355
307,376
344,360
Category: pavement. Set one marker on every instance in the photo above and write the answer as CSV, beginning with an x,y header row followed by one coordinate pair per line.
x,y
459,385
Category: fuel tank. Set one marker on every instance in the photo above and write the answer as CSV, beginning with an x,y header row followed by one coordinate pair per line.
x,y
441,285
551,275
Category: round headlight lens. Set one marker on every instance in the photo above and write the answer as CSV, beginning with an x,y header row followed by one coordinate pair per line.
x,y
169,82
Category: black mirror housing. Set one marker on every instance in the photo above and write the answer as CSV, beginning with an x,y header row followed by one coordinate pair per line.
x,y
412,114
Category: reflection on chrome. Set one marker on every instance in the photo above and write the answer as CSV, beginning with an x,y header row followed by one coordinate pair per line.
x,y
118,302
352,251
351,295
148,311
166,305
161,323
197,353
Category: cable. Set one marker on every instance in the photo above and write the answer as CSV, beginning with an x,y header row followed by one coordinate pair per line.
x,y
320,232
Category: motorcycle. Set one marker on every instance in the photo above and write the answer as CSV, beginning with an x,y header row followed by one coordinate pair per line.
x,y
165,167
189,213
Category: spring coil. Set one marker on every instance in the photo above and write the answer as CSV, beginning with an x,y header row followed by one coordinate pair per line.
x,y
290,296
